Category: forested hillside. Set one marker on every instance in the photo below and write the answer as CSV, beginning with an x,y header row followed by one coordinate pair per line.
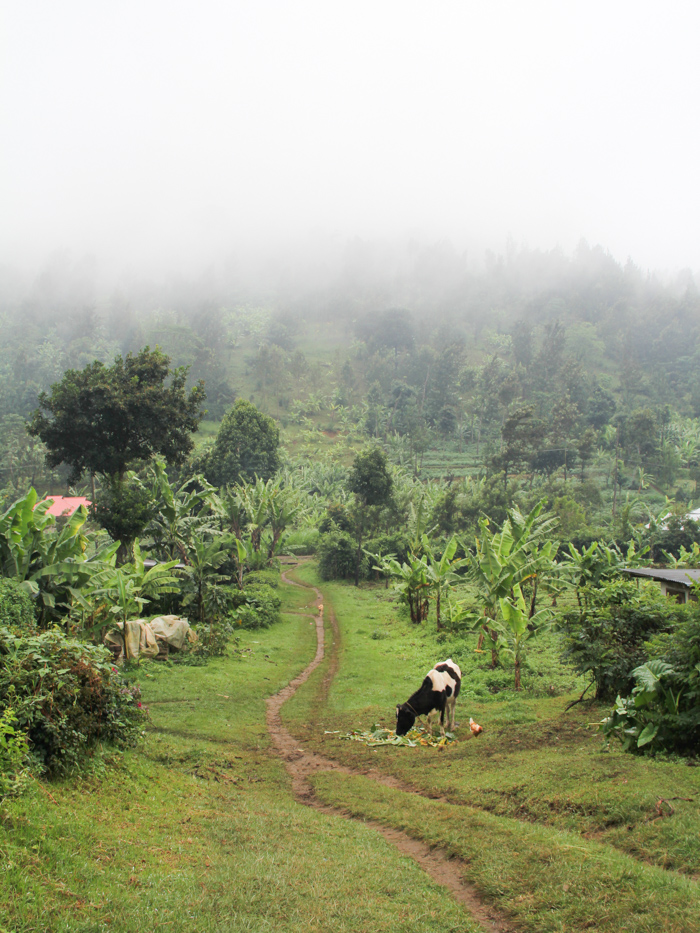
x,y
571,372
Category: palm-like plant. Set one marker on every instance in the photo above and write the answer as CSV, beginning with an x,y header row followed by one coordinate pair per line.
x,y
179,513
204,582
523,551
127,589
441,571
411,583
515,625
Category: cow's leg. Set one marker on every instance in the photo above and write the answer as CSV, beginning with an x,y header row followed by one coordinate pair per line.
x,y
430,717
442,721
451,714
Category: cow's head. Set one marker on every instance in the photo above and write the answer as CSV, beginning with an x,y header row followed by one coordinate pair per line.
x,y
404,719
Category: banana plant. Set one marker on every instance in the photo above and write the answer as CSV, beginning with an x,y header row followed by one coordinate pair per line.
x,y
515,625
685,558
523,551
205,558
441,571
411,583
179,512
51,563
125,590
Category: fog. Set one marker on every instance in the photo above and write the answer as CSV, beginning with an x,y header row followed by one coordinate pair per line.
x,y
161,136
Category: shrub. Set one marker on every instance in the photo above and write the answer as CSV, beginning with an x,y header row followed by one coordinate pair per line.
x,y
607,635
66,697
337,555
13,755
16,606
662,713
212,642
256,606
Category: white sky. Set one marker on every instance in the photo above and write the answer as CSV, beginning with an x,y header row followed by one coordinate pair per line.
x,y
163,131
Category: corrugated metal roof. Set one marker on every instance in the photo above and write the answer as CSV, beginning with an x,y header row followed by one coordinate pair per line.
x,y
682,577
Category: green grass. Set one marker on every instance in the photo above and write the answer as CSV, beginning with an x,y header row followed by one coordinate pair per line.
x,y
535,764
545,879
197,830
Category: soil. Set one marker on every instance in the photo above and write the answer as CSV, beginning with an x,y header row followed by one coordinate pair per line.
x,y
301,764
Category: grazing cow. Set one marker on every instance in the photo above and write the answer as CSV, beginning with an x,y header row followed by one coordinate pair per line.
x,y
438,691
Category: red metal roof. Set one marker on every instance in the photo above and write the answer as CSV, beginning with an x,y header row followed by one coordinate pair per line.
x,y
66,505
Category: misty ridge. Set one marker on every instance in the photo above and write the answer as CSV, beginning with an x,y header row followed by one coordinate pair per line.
x,y
69,313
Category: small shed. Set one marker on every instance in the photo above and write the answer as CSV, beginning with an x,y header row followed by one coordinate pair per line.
x,y
675,583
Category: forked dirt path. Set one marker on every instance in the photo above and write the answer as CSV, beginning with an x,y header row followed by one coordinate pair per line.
x,y
301,764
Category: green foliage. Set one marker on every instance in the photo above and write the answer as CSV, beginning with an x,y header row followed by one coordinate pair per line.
x,y
203,588
606,637
661,714
336,514
49,562
257,606
515,625
411,583
66,697
102,418
124,508
396,544
213,640
16,606
178,513
369,477
521,553
246,447
337,555
13,755
124,591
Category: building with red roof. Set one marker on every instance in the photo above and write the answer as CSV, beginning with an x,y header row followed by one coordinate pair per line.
x,y
66,505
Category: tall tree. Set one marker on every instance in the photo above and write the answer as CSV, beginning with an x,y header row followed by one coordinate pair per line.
x,y
246,447
101,418
371,483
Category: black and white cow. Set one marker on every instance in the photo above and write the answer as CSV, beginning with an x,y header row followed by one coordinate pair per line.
x,y
438,691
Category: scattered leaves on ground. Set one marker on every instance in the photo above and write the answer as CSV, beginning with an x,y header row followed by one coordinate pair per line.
x,y
378,735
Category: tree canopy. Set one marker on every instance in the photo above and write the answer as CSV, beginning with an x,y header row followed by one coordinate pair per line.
x,y
246,446
101,418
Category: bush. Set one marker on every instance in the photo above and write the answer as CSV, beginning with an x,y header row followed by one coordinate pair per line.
x,y
607,636
13,756
662,713
337,555
396,544
212,642
16,607
66,697
255,606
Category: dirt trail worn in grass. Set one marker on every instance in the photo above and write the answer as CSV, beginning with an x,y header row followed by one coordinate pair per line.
x,y
301,764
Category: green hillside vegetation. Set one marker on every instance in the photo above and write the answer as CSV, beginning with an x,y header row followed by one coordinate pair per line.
x,y
197,828
458,463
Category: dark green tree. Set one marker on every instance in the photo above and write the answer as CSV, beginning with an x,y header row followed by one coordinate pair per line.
x,y
101,418
521,435
124,509
246,446
371,484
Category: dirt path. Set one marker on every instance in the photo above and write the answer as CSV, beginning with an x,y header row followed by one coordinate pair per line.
x,y
301,764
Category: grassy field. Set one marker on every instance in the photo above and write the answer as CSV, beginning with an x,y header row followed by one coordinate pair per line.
x,y
537,807
198,829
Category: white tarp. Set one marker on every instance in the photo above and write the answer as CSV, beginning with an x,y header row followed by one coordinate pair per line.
x,y
142,637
